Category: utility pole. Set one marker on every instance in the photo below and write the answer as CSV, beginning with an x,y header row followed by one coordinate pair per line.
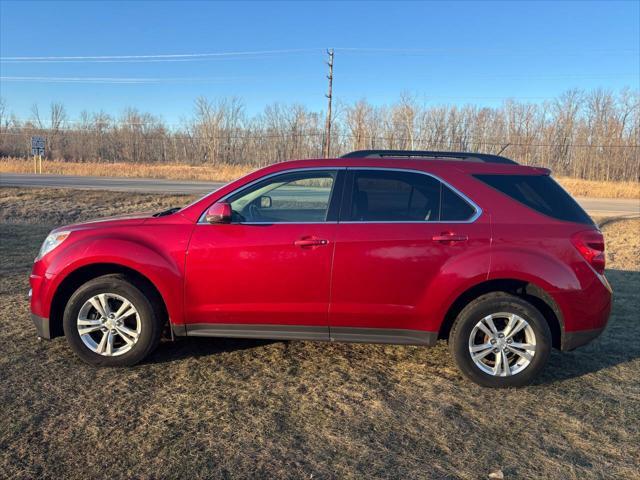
x,y
326,150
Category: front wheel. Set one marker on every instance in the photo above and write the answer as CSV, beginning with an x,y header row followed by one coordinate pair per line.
x,y
500,340
109,321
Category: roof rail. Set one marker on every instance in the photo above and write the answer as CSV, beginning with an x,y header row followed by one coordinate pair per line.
x,y
466,156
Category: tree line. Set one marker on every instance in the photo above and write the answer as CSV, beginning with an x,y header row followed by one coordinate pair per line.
x,y
583,134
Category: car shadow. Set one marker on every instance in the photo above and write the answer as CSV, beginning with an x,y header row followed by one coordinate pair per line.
x,y
617,345
194,347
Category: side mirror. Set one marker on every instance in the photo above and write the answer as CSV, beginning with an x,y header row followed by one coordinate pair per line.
x,y
219,213
265,201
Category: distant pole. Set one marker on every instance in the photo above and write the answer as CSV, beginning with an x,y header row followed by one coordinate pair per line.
x,y
327,126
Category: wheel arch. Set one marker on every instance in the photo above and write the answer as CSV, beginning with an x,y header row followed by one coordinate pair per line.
x,y
88,272
528,291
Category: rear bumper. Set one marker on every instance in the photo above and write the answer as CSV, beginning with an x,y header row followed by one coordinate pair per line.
x,y
573,340
42,326
585,312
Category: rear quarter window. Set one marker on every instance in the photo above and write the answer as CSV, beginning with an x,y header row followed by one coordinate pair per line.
x,y
540,193
453,208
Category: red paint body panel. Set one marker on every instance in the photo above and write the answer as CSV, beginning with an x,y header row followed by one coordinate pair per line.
x,y
373,275
256,274
529,246
394,275
154,247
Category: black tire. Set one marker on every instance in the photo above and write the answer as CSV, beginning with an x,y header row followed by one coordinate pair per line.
x,y
144,301
488,304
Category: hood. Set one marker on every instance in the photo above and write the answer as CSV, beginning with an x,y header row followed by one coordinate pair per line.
x,y
131,219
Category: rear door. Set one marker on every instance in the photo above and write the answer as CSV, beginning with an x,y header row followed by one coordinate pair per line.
x,y
398,232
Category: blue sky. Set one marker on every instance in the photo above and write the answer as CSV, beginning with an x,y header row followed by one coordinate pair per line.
x,y
455,52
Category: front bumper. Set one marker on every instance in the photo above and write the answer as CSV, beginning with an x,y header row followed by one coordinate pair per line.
x,y
42,323
573,340
42,326
40,299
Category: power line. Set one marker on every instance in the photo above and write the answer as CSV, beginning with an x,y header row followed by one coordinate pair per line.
x,y
476,76
494,142
168,57
124,80
158,57
140,80
159,80
476,51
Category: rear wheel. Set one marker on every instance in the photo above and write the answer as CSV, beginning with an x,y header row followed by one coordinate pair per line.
x,y
500,340
109,321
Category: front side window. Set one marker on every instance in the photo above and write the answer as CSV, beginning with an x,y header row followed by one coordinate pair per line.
x,y
290,197
398,196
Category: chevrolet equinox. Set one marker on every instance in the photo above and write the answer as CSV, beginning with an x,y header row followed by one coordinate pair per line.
x,y
380,246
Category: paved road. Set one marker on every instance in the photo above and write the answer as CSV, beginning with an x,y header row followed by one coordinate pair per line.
x,y
610,207
115,184
600,207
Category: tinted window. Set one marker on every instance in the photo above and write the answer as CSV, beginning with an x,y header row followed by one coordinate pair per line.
x,y
291,197
453,207
396,196
541,193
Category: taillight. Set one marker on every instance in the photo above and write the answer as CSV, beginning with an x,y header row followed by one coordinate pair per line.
x,y
590,244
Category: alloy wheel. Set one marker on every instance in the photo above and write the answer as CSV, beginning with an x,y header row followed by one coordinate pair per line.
x,y
502,344
109,324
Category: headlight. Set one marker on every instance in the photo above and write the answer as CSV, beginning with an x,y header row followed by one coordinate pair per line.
x,y
51,242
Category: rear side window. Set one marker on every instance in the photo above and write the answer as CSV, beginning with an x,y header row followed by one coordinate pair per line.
x,y
541,193
399,196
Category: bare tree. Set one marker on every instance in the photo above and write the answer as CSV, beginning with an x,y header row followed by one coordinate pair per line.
x,y
591,134
358,123
35,115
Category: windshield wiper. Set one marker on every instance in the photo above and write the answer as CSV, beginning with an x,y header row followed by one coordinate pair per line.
x,y
167,212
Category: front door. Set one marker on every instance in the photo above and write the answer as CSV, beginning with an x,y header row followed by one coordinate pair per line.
x,y
267,274
398,231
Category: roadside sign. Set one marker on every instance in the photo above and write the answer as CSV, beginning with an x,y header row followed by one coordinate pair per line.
x,y
37,146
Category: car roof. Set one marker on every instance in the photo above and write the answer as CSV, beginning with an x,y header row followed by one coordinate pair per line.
x,y
422,164
431,155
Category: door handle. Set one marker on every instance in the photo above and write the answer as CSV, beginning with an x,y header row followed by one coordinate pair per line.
x,y
449,237
310,242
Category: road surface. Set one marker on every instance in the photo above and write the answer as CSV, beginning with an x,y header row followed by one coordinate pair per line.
x,y
115,184
597,207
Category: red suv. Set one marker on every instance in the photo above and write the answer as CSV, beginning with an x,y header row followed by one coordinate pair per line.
x,y
376,246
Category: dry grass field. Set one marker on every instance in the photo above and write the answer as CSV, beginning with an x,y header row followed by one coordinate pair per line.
x,y
221,172
216,408
226,172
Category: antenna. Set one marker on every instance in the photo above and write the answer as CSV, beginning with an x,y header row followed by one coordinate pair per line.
x,y
504,148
